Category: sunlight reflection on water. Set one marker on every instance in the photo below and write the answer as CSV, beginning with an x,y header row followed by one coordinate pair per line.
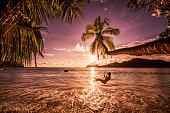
x,y
92,79
52,90
91,95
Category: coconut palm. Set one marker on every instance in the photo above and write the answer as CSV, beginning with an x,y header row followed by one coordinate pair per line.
x,y
21,42
160,46
21,22
97,30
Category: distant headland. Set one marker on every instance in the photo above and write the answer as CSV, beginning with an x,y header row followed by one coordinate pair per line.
x,y
137,63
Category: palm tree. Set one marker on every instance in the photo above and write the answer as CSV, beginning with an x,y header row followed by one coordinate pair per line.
x,y
21,42
21,23
160,46
97,30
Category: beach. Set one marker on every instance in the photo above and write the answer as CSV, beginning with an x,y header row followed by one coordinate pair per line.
x,y
130,90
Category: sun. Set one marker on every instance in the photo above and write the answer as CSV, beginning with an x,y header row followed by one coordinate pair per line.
x,y
92,58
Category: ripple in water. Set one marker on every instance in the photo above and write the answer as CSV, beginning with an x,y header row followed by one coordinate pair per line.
x,y
53,90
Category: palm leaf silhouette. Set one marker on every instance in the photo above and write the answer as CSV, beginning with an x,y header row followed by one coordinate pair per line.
x,y
97,30
21,23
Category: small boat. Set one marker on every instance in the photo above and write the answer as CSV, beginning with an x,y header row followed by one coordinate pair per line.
x,y
66,70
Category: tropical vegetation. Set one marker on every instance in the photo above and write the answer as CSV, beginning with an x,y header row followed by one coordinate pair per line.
x,y
158,8
21,22
101,35
160,46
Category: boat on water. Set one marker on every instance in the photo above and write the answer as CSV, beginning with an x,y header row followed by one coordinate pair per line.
x,y
66,70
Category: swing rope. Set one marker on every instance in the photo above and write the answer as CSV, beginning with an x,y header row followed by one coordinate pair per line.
x,y
106,67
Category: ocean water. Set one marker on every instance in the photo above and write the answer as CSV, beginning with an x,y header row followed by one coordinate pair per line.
x,y
130,90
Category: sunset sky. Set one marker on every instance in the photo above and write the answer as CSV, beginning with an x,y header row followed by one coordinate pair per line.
x,y
63,45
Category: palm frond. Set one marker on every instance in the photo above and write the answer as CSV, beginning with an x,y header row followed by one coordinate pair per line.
x,y
98,22
106,21
86,36
109,42
20,43
111,31
93,47
98,46
21,22
91,28
70,10
101,49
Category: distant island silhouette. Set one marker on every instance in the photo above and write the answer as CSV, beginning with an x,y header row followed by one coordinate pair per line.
x,y
137,62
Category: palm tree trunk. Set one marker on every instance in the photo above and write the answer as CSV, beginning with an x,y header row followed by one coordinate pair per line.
x,y
161,46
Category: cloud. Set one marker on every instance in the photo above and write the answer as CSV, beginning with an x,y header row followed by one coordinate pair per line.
x,y
43,39
45,48
79,47
136,43
50,55
102,1
60,49
164,57
69,50
105,9
42,63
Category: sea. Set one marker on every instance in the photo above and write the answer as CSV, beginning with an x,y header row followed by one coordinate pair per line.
x,y
51,90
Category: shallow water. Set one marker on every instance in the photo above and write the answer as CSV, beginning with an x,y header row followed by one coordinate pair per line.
x,y
53,90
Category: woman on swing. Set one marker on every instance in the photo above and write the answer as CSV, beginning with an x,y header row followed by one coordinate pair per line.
x,y
107,78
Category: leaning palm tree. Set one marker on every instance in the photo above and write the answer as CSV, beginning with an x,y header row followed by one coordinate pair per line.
x,y
160,46
97,30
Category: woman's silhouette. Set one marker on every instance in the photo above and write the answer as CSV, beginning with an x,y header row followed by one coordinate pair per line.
x,y
107,78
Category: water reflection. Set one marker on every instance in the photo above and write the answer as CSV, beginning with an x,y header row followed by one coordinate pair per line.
x,y
93,98
92,83
51,90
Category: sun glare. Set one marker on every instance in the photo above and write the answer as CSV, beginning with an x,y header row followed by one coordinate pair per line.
x,y
92,58
91,82
92,71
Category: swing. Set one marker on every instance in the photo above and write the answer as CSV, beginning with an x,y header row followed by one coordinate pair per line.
x,y
106,71
106,76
